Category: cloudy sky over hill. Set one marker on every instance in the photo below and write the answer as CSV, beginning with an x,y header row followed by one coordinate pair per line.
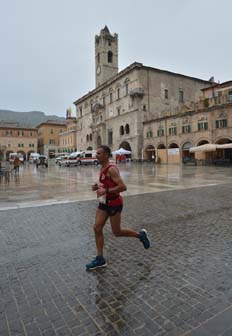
x,y
47,46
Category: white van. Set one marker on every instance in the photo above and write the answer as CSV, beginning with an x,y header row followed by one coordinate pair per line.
x,y
33,157
13,155
73,159
87,157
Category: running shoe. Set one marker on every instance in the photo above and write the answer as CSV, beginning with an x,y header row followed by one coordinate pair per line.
x,y
144,238
98,262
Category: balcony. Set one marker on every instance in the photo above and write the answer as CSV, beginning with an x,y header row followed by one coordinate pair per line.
x,y
212,101
137,92
97,107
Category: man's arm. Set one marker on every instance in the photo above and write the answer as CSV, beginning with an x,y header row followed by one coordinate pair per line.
x,y
114,174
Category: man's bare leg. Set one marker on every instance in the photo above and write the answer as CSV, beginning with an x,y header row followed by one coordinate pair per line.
x,y
100,221
124,232
118,231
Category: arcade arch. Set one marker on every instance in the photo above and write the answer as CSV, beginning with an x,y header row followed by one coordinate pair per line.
x,y
125,145
149,153
224,153
185,151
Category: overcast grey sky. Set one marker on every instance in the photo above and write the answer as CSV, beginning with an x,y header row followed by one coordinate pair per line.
x,y
47,46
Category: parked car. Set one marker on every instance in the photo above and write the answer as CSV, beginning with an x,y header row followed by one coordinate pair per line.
x,y
61,157
33,157
87,157
42,161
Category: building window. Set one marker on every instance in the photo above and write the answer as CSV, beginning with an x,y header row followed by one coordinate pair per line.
x,y
98,58
51,131
144,107
160,132
221,123
166,93
121,130
118,93
230,96
90,137
31,133
110,137
181,96
87,138
8,132
127,129
149,133
118,110
104,100
52,142
186,129
172,131
202,126
110,57
81,112
111,97
127,89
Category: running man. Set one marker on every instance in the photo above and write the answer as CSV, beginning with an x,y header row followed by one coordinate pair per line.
x,y
110,206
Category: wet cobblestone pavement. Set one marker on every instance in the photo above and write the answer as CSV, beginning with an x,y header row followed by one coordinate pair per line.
x,y
181,286
35,187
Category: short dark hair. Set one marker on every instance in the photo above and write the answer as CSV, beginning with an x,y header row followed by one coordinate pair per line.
x,y
106,149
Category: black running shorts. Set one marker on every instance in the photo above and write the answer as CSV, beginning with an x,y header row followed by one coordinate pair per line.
x,y
111,210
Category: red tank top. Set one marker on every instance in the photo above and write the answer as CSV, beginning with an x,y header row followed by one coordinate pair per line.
x,y
107,182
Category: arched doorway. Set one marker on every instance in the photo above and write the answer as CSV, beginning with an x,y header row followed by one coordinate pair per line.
x,y
173,153
223,141
28,154
203,157
149,153
223,154
161,154
125,145
173,145
123,158
8,154
202,142
23,154
161,146
186,155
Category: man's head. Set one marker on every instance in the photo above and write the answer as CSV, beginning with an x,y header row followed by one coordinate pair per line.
x,y
103,153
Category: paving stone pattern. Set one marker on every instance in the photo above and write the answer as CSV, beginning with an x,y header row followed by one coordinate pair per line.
x,y
181,286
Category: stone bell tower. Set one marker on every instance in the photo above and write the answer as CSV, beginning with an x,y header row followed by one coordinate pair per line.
x,y
106,56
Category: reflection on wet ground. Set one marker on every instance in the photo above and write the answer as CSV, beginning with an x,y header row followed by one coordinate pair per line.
x,y
38,186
